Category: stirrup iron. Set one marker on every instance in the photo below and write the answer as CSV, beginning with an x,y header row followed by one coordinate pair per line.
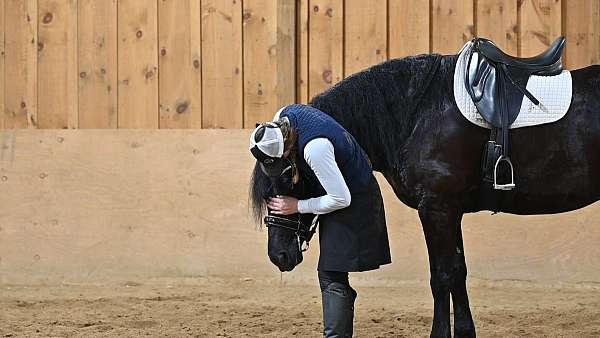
x,y
507,186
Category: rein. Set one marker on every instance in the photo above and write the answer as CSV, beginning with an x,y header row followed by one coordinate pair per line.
x,y
303,233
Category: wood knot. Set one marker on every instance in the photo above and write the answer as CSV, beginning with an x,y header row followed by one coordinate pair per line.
x,y
247,16
316,9
83,75
48,18
329,12
149,74
182,107
40,46
139,34
23,105
327,76
163,52
196,64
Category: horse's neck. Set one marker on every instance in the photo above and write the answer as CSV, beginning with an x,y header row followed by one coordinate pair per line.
x,y
381,117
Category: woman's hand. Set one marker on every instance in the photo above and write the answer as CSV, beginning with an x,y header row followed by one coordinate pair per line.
x,y
283,205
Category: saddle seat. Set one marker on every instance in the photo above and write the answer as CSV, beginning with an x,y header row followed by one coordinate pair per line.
x,y
547,63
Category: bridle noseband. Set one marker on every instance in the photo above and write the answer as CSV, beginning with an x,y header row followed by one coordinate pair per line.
x,y
303,233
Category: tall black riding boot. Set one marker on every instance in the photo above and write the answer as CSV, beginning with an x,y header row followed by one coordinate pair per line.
x,y
338,310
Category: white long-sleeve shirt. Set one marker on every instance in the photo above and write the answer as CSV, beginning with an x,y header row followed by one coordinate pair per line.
x,y
320,156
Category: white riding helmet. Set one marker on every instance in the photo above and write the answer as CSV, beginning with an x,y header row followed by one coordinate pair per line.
x,y
266,144
268,138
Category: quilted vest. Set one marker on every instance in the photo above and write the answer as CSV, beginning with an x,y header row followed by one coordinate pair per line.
x,y
311,123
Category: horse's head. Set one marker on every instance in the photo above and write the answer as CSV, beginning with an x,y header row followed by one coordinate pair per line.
x,y
288,235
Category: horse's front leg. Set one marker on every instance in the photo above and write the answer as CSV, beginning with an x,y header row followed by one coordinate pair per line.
x,y
440,229
463,321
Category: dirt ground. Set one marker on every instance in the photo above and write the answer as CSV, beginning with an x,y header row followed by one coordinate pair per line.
x,y
250,308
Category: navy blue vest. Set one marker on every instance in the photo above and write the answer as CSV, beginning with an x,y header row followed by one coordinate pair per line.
x,y
311,123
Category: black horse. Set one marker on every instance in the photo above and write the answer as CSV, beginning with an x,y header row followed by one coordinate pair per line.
x,y
403,113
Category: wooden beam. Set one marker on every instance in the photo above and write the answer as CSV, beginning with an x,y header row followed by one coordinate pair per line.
x,y
97,64
365,34
540,25
21,47
269,58
582,29
138,64
302,51
326,51
57,64
180,85
408,27
452,25
497,20
222,104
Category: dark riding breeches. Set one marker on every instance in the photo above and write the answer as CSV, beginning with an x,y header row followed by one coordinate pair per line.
x,y
328,277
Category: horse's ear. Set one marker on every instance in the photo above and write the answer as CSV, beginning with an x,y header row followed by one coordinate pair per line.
x,y
257,125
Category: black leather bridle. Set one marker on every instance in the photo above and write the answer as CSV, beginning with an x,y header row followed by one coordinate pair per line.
x,y
303,232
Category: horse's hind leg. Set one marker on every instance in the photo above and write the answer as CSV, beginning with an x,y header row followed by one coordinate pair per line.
x,y
446,266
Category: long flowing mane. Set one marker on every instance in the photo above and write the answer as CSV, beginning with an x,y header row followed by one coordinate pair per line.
x,y
377,105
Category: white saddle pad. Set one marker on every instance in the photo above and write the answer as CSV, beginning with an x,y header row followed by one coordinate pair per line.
x,y
553,92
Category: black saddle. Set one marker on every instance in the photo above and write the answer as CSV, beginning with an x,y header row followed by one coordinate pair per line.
x,y
547,63
497,83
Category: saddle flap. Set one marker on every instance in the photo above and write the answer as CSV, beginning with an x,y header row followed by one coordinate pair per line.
x,y
491,90
481,84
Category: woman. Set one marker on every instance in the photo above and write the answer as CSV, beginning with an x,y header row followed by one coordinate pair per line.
x,y
352,229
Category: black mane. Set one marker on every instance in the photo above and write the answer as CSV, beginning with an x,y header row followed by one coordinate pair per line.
x,y
378,105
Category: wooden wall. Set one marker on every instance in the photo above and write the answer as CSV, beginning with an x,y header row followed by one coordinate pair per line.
x,y
76,212
231,63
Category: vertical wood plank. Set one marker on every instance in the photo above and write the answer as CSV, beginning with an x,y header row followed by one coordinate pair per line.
x,y
20,64
2,60
326,54
365,34
180,85
452,25
138,64
302,51
97,64
286,54
222,105
408,27
497,21
269,70
57,64
582,29
540,25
